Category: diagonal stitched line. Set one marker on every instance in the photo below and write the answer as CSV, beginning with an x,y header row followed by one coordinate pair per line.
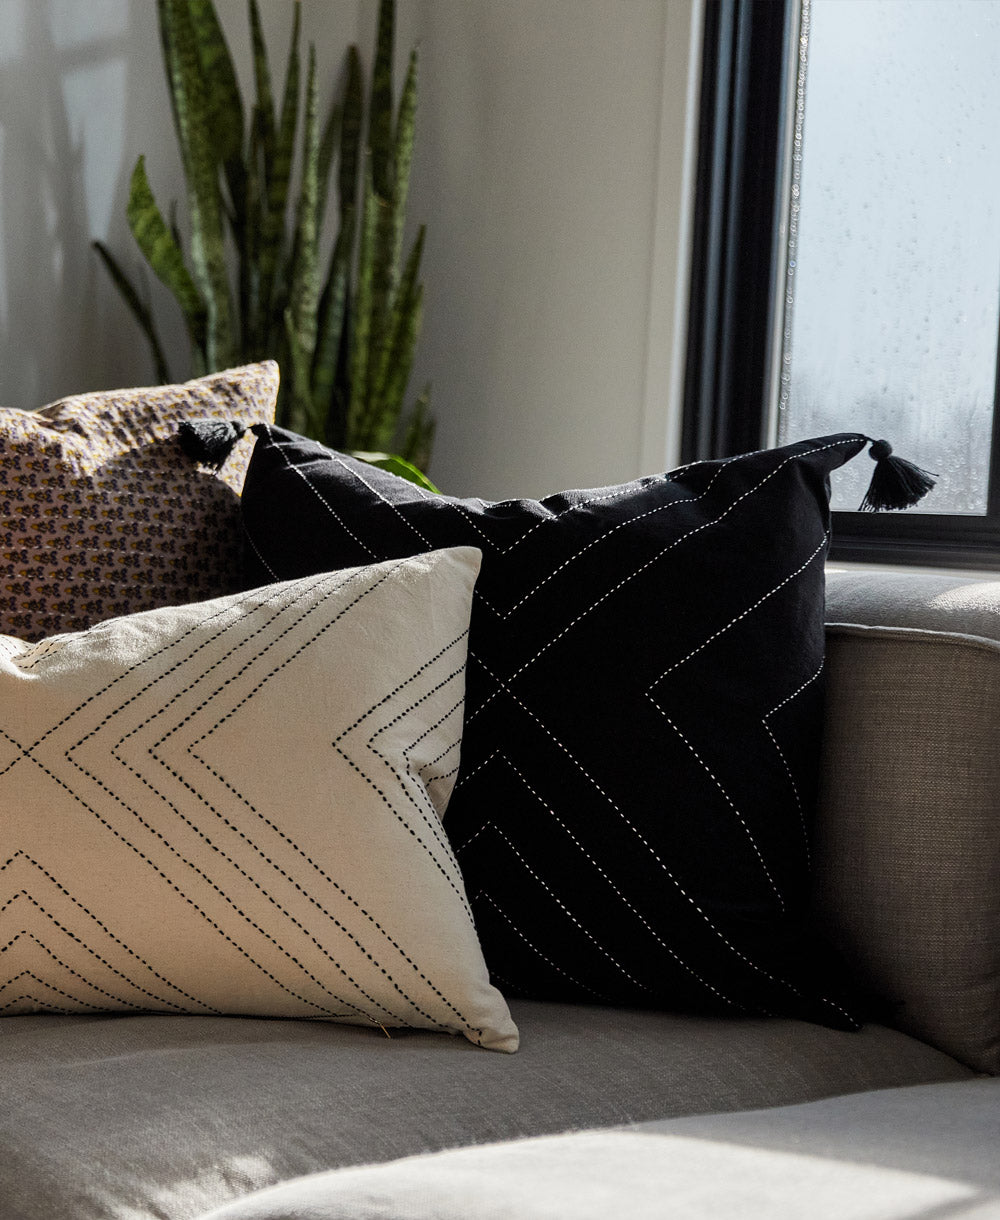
x,y
701,761
200,678
622,898
784,761
522,935
656,857
68,932
319,496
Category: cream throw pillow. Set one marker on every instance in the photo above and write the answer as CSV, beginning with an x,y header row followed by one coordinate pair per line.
x,y
235,807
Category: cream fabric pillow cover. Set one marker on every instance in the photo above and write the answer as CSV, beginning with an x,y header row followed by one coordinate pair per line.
x,y
235,807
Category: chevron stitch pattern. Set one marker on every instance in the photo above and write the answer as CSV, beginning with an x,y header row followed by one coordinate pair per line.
x,y
235,807
643,715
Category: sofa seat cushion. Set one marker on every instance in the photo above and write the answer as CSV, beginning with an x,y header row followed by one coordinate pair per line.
x,y
138,1117
927,1151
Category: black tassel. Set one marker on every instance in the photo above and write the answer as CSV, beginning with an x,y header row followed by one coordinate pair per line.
x,y
896,483
209,441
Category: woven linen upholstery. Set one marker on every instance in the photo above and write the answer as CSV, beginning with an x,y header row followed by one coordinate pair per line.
x,y
892,1155
148,1117
908,833
235,807
641,747
103,515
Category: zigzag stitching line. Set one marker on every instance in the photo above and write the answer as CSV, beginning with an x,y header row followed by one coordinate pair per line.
x,y
431,819
69,970
111,936
424,809
567,912
518,931
494,546
701,762
433,823
784,761
242,644
260,555
643,567
38,1005
319,496
618,893
428,851
649,848
47,986
191,751
263,602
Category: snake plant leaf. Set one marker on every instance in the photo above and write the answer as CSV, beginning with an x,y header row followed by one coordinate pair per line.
x,y
278,155
304,288
330,323
252,313
224,101
403,151
295,407
175,227
399,351
262,83
156,241
396,465
361,333
139,309
350,139
198,158
327,149
380,110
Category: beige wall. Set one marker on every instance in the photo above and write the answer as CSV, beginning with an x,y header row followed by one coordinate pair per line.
x,y
549,170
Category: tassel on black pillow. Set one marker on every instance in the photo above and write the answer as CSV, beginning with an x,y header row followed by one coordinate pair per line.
x,y
896,483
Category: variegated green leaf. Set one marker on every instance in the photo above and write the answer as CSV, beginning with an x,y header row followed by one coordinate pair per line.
x,y
397,358
262,83
361,332
277,172
304,291
380,109
403,150
330,326
157,243
198,158
350,138
296,406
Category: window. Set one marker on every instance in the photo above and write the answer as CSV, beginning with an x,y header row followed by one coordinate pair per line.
x,y
846,270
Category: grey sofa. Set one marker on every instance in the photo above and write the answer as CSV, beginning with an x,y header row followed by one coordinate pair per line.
x,y
638,1113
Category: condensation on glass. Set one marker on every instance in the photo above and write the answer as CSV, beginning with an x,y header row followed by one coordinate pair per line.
x,y
892,284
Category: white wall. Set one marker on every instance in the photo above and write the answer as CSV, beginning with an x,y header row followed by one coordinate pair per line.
x,y
549,170
82,95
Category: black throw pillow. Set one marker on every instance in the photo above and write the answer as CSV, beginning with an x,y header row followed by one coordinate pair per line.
x,y
643,716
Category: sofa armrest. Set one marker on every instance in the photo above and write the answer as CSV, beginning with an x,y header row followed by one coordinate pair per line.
x,y
908,825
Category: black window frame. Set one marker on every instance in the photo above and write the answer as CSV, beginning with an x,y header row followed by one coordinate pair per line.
x,y
737,268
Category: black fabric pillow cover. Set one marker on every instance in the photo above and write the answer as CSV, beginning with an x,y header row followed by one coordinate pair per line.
x,y
644,700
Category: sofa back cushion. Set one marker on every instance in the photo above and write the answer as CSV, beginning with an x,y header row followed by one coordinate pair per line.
x,y
908,832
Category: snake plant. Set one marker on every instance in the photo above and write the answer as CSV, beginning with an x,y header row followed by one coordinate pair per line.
x,y
254,282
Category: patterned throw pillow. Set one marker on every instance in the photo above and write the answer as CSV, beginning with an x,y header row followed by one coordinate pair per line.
x,y
103,516
634,810
234,807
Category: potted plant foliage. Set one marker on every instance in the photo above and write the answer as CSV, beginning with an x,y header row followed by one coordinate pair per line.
x,y
253,282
